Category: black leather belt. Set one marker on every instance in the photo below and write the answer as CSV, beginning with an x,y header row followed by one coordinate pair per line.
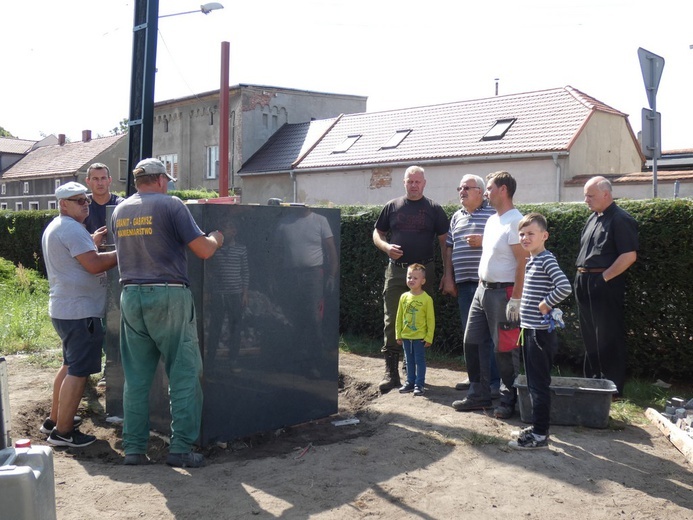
x,y
497,285
405,264
584,270
177,285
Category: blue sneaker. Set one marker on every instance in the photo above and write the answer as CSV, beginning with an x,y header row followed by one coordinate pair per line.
x,y
406,388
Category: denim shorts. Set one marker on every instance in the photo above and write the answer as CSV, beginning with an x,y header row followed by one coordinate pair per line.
x,y
82,345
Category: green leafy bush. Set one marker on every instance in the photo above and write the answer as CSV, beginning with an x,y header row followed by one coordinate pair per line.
x,y
659,312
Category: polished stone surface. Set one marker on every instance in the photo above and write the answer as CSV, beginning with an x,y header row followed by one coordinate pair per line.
x,y
269,361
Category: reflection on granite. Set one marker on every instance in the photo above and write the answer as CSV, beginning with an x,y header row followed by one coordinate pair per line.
x,y
269,332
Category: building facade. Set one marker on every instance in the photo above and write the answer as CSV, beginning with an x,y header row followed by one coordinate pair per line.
x,y
186,130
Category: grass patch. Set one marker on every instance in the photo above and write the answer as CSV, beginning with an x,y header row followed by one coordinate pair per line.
x,y
361,346
26,326
48,358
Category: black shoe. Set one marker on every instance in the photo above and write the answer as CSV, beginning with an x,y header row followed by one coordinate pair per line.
x,y
185,460
418,390
136,459
503,411
48,425
468,405
74,439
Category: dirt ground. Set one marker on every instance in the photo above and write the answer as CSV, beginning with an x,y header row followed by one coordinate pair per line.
x,y
408,457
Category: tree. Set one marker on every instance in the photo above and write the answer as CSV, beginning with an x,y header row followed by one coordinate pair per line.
x,y
121,128
5,133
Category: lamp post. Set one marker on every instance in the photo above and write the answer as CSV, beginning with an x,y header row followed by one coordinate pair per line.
x,y
204,9
141,120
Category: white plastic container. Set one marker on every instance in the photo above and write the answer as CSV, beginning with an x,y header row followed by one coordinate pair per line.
x,y
27,484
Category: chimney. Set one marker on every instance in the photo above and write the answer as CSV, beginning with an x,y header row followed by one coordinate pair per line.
x,y
86,136
61,139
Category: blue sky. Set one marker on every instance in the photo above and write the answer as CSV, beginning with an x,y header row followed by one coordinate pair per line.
x,y
66,65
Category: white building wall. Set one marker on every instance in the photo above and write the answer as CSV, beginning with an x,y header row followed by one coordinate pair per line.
x,y
536,183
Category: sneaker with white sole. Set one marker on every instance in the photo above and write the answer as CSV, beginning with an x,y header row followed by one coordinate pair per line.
x,y
185,460
48,425
406,388
528,440
418,390
74,439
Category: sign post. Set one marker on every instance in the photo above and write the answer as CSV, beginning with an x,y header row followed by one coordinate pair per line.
x,y
651,66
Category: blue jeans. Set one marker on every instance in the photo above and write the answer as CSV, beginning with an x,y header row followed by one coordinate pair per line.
x,y
485,316
539,347
465,295
415,354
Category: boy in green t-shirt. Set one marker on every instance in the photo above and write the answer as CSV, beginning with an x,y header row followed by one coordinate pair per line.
x,y
414,328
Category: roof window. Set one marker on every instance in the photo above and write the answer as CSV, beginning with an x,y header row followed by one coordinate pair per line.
x,y
395,139
346,144
498,130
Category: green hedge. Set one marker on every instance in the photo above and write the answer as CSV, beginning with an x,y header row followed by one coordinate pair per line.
x,y
659,313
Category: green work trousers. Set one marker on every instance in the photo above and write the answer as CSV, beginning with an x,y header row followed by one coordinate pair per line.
x,y
159,323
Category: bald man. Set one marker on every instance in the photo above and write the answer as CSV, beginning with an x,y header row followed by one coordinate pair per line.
x,y
608,247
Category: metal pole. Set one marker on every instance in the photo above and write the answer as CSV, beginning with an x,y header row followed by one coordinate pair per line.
x,y
657,149
141,120
224,122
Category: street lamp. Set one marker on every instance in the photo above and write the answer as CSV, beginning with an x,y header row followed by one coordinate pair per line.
x,y
141,117
205,9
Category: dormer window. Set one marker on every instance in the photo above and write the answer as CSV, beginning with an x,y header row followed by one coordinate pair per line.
x,y
498,130
395,140
346,144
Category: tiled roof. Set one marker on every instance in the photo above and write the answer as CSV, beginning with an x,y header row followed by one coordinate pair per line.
x,y
662,176
545,121
288,144
55,160
18,146
636,177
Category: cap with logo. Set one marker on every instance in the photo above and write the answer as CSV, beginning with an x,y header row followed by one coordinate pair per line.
x,y
70,189
151,167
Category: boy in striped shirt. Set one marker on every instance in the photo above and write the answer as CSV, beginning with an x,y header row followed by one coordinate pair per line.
x,y
545,287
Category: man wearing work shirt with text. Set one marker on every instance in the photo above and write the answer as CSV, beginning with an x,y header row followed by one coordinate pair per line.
x,y
152,233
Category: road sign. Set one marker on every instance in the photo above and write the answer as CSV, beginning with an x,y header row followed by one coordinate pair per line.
x,y
651,66
651,134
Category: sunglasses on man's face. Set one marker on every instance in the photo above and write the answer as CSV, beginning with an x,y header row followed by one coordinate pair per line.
x,y
81,201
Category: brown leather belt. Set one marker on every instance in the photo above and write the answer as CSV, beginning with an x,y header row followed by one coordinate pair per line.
x,y
591,269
